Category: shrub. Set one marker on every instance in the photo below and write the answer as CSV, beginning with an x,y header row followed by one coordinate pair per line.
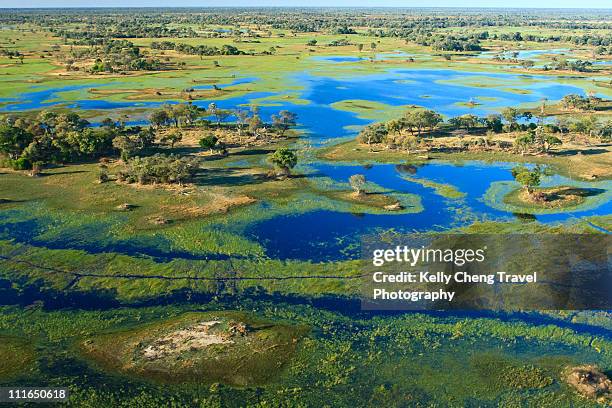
x,y
284,159
159,168
357,182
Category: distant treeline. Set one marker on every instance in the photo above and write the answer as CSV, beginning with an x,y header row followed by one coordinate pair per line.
x,y
158,23
201,50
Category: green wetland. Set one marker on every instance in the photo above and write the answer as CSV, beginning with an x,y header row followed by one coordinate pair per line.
x,y
240,287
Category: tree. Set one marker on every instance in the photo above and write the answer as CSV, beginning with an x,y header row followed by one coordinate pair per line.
x,y
172,114
192,113
421,119
528,178
255,123
222,115
179,114
208,142
145,137
527,64
14,140
87,142
468,122
357,182
409,143
494,123
524,143
126,146
577,102
172,137
159,168
284,159
40,151
606,131
360,47
242,117
311,43
47,121
511,115
284,120
550,140
67,122
587,125
108,123
393,126
375,133
219,114
213,110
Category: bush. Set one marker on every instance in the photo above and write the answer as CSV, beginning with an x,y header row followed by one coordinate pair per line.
x,y
375,133
357,182
284,159
21,164
208,142
528,178
159,168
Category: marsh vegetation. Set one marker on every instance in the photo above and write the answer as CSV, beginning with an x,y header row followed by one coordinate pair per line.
x,y
183,192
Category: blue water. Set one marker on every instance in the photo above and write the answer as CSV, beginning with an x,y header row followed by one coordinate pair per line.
x,y
431,89
325,235
322,235
47,98
338,59
396,54
238,81
421,87
524,54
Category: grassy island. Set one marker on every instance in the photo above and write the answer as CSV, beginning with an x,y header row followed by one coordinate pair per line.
x,y
229,347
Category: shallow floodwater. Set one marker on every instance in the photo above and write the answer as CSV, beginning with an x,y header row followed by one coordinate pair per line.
x,y
524,54
323,235
326,235
444,90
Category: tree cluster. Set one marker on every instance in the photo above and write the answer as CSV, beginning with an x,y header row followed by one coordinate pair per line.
x,y
52,137
159,169
201,50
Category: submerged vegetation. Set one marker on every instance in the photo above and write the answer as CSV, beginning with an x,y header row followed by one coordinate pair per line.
x,y
204,348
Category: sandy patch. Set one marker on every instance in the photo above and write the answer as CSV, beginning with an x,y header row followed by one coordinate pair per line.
x,y
191,338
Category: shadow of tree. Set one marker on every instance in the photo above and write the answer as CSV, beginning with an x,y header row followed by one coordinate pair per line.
x,y
228,177
587,152
580,192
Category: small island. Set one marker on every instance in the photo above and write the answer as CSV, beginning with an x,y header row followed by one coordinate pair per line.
x,y
533,196
228,347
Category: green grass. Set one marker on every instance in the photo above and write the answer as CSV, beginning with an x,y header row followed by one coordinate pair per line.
x,y
242,360
372,110
18,357
565,165
447,361
444,190
504,195
203,263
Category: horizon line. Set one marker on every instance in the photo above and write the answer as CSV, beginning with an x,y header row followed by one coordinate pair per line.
x,y
305,6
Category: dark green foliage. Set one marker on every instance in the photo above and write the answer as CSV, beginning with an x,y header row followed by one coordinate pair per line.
x,y
284,159
375,133
14,140
468,122
528,178
201,50
159,168
209,142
